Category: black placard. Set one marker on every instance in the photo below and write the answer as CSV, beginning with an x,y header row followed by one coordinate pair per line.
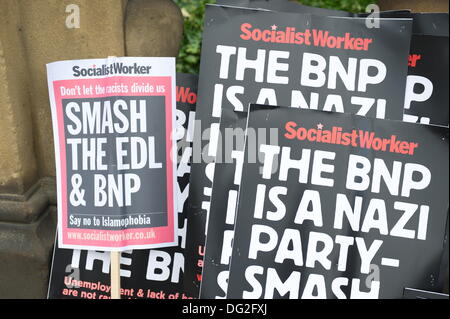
x,y
341,207
426,96
389,45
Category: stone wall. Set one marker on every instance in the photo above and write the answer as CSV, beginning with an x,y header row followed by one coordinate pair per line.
x,y
33,33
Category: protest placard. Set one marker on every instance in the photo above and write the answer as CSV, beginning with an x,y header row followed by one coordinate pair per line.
x,y
426,96
145,273
112,124
341,206
279,58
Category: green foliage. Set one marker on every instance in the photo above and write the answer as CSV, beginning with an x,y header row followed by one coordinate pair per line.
x,y
344,5
193,11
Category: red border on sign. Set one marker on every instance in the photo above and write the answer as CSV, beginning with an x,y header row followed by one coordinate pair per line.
x,y
163,234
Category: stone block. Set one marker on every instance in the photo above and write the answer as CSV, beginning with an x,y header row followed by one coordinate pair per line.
x,y
17,158
25,256
47,38
153,28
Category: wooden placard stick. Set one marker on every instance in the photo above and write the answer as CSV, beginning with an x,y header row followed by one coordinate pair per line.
x,y
115,275
115,262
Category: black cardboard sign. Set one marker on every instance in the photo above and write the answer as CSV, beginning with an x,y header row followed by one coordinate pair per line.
x,y
411,293
426,96
341,207
220,94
